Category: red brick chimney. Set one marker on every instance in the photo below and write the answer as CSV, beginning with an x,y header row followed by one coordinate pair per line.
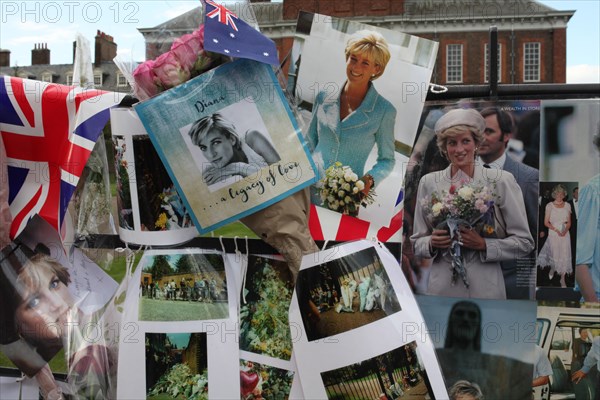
x,y
106,48
40,55
4,58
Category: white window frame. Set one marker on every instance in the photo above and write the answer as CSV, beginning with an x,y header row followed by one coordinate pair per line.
x,y
454,63
486,76
98,78
121,80
69,79
46,77
531,66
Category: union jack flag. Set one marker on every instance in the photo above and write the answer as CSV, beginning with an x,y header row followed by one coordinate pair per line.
x,y
330,225
48,131
222,14
227,34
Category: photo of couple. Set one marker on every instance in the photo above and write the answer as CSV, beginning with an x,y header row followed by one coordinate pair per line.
x,y
471,205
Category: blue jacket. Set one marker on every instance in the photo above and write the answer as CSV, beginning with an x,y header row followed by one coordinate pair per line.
x,y
350,141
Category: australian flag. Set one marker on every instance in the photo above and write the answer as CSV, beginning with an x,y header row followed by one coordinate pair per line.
x,y
227,34
48,131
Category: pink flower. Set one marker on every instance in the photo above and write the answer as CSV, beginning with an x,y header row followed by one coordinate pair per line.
x,y
186,49
169,71
145,80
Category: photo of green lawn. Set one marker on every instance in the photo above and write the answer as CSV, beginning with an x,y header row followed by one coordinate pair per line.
x,y
183,287
164,310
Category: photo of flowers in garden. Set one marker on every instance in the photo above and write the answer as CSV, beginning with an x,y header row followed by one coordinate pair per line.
x,y
344,294
122,179
397,374
160,206
176,366
183,287
259,381
265,301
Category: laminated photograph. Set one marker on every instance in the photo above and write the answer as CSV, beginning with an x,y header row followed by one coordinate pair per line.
x,y
471,212
55,311
150,210
487,345
180,334
267,367
345,297
569,268
360,110
229,142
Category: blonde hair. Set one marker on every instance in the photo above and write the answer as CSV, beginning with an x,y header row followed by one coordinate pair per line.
x,y
557,189
442,137
465,387
373,45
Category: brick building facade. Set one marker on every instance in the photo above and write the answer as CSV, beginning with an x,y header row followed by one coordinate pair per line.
x,y
106,74
531,36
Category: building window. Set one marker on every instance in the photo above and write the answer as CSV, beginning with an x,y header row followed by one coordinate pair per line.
x,y
454,63
69,79
531,62
487,63
121,80
47,77
97,79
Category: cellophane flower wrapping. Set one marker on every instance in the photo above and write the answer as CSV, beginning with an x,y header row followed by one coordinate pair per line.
x,y
341,190
186,59
470,205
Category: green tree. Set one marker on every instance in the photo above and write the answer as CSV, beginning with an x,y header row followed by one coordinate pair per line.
x,y
160,267
185,265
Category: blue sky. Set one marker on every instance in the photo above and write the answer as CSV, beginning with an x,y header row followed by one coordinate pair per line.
x,y
24,23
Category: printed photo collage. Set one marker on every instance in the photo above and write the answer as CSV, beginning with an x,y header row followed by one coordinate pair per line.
x,y
535,278
495,205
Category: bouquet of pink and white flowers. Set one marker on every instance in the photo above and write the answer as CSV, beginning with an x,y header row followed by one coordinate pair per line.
x,y
186,59
342,191
470,205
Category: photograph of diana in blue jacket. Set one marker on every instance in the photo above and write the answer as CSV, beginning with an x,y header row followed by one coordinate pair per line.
x,y
347,124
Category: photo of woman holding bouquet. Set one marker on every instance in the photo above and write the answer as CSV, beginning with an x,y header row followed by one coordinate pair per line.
x,y
468,218
556,252
346,126
228,153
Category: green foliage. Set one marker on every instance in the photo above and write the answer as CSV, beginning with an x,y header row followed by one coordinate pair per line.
x,y
179,383
161,267
264,323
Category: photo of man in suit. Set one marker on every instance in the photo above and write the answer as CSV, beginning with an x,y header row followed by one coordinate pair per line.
x,y
500,127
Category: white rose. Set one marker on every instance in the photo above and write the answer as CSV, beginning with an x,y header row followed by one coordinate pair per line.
x,y
465,192
354,177
360,185
341,194
347,199
346,187
355,190
436,209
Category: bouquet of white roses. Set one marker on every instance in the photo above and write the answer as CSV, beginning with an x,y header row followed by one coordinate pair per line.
x,y
470,205
342,191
